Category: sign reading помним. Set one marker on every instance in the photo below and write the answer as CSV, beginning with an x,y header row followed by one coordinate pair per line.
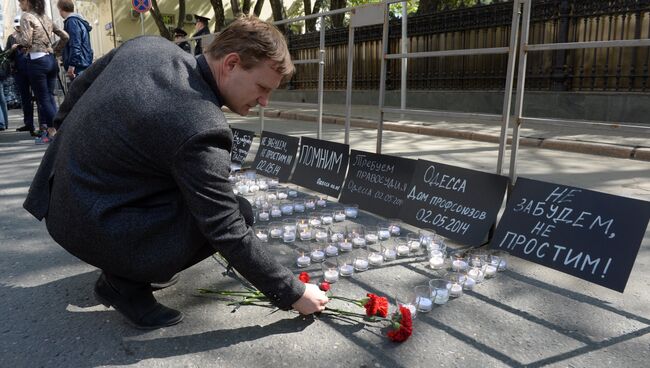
x,y
321,165
460,204
276,155
590,235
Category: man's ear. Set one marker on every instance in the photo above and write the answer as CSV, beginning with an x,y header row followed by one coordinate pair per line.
x,y
230,61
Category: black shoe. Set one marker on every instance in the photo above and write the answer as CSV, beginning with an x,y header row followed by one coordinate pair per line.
x,y
161,285
24,128
136,303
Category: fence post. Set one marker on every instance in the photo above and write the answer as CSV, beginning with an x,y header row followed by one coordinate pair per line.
x,y
559,77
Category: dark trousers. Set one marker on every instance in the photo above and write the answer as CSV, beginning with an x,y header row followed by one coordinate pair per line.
x,y
39,75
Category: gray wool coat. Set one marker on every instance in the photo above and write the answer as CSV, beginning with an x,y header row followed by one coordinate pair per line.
x,y
136,181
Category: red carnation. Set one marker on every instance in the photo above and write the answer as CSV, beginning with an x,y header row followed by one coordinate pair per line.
x,y
325,286
402,324
304,277
376,306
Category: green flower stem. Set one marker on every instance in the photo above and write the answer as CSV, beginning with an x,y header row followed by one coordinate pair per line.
x,y
248,294
345,313
353,301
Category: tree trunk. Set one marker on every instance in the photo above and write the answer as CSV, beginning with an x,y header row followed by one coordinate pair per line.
x,y
429,6
236,11
162,28
258,7
219,16
246,7
310,24
337,19
181,14
278,14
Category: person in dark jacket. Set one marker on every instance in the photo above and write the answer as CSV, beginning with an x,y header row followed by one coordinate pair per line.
x,y
201,29
179,39
143,207
78,53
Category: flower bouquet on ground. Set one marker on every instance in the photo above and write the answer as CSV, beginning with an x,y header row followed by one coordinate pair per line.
x,y
376,307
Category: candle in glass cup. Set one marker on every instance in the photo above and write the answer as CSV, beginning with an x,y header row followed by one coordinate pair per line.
x,y
305,234
414,245
437,262
331,251
345,246
331,276
315,221
310,203
263,216
383,233
338,217
476,273
321,202
275,212
424,304
403,250
254,188
327,218
299,207
303,261
490,270
289,236
336,236
375,259
351,211
395,230
371,238
458,265
263,184
469,283
317,255
292,193
442,296
287,209
276,232
321,236
455,290
358,242
390,254
360,264
346,270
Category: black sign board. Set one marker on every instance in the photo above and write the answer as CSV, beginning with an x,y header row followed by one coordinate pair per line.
x,y
241,144
276,155
321,165
378,183
460,204
590,235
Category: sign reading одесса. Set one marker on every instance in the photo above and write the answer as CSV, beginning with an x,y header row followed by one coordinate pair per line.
x,y
590,235
460,204
276,155
241,144
321,165
377,183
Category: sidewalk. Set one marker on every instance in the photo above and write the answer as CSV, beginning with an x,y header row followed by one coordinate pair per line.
x,y
591,138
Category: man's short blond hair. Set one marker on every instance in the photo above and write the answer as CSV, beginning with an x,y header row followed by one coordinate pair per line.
x,y
255,41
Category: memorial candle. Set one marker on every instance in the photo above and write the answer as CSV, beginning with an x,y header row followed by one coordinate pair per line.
x,y
360,264
376,259
327,219
424,304
403,250
338,217
351,212
303,261
317,255
358,242
321,236
458,265
456,290
289,236
390,254
414,245
371,238
490,271
262,237
469,283
346,270
345,246
263,216
436,262
331,276
331,251
383,233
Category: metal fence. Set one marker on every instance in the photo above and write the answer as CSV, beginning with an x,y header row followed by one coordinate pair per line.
x,y
487,26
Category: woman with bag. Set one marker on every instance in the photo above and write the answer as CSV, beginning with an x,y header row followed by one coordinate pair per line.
x,y
40,66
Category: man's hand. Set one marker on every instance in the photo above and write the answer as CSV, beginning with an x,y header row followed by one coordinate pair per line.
x,y
313,300
70,72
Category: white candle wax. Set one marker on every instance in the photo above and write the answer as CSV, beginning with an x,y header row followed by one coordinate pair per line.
x,y
271,197
331,276
383,234
403,250
287,209
476,274
243,189
321,203
345,246
310,205
358,242
264,216
490,270
254,188
292,193
317,256
327,220
263,185
389,255
414,245
360,264
424,304
282,195
339,217
435,253
371,238
276,233
455,290
289,237
346,270
276,213
331,251
375,259
315,222
299,207
501,265
459,265
395,230
321,236
303,261
469,283
436,262
302,226
351,212
305,235
442,296
273,183
337,237
262,237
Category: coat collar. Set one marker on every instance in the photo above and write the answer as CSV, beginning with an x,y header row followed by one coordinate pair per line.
x,y
206,73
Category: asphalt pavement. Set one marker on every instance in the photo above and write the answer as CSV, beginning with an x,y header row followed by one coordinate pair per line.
x,y
527,316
